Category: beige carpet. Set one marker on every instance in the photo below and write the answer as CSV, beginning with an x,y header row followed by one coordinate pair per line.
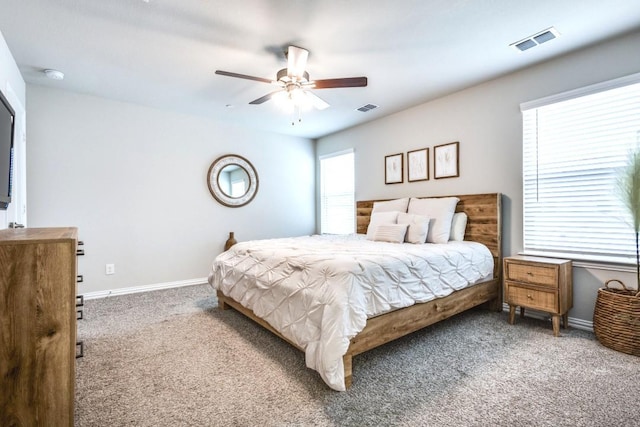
x,y
172,358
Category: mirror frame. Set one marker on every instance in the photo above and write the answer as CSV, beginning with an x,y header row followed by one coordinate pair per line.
x,y
214,173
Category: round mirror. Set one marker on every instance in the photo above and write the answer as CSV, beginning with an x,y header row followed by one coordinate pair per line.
x,y
232,180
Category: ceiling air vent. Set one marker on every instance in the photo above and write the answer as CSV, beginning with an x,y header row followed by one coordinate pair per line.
x,y
536,39
367,107
527,44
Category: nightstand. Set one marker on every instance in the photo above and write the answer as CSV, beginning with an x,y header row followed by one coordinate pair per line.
x,y
538,283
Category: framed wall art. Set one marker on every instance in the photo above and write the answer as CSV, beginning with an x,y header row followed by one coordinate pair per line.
x,y
393,169
418,165
446,160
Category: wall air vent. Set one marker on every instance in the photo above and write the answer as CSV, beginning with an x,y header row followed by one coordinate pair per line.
x,y
367,107
536,39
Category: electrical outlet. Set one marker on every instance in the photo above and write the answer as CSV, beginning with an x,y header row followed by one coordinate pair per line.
x,y
110,269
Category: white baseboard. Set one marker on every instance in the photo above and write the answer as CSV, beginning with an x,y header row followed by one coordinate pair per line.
x,y
144,288
584,325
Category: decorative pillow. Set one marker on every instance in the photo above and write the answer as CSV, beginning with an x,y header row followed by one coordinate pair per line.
x,y
458,226
397,205
393,233
440,210
418,227
379,219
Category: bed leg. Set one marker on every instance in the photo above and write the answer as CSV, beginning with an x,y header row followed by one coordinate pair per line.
x,y
221,304
496,305
346,360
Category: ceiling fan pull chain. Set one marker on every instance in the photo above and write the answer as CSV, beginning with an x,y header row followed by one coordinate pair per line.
x,y
293,114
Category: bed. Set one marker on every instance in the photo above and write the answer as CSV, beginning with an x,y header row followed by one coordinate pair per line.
x,y
331,324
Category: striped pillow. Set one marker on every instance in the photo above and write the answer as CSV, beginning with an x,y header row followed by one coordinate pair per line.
x,y
393,233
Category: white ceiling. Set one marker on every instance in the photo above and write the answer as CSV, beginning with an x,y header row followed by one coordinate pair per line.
x,y
163,53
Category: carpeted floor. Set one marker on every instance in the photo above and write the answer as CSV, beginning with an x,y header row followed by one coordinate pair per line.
x,y
172,358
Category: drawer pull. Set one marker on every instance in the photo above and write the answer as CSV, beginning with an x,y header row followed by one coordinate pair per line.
x,y
529,273
79,314
529,296
80,252
79,300
79,345
80,278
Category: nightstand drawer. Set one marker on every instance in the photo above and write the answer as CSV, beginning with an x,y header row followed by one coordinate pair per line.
x,y
532,298
537,274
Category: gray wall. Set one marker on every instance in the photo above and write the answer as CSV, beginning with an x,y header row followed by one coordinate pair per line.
x,y
133,179
486,120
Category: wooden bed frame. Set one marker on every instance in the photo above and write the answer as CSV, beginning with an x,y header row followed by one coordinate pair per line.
x,y
484,225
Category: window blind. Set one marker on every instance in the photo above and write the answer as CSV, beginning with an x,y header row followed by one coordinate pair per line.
x,y
573,151
337,193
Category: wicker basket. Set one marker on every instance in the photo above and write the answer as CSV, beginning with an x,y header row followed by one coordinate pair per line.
x,y
616,318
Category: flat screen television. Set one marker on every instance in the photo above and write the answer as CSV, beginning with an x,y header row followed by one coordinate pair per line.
x,y
7,130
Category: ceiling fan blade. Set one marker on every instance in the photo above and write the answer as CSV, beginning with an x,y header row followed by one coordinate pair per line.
x,y
296,62
316,101
264,98
243,76
346,82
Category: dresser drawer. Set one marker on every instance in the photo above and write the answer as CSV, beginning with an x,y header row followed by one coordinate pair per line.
x,y
536,274
532,298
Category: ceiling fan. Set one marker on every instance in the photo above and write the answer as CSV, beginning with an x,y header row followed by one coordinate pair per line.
x,y
294,82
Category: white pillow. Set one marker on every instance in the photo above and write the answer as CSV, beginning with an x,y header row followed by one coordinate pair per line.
x,y
418,227
397,205
393,233
440,210
379,219
458,226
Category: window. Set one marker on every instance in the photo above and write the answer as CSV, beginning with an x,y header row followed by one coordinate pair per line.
x,y
574,144
238,188
337,193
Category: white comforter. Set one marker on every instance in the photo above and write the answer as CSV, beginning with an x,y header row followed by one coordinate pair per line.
x,y
318,291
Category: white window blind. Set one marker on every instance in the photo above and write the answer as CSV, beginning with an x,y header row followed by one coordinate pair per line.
x,y
573,151
337,193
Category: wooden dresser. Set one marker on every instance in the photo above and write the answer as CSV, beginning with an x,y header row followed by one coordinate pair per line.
x,y
538,283
37,326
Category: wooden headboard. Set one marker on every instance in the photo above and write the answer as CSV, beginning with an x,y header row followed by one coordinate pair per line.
x,y
484,223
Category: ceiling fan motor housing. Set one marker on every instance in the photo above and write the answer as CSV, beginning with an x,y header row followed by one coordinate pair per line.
x,y
283,76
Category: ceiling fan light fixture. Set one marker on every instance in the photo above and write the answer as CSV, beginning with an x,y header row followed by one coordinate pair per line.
x,y
300,99
292,99
283,102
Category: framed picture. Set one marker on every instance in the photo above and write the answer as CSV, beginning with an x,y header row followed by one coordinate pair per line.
x,y
446,160
393,169
418,165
